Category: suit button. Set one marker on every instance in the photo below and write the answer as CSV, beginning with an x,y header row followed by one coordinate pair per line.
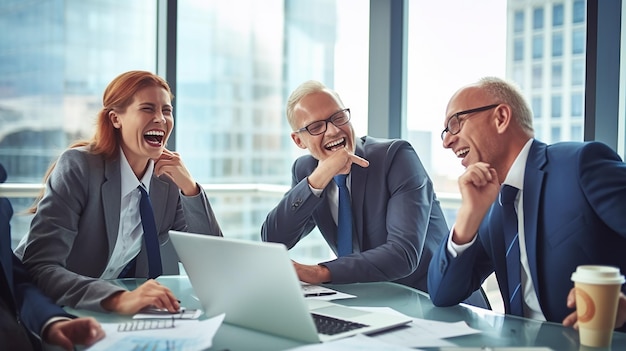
x,y
296,204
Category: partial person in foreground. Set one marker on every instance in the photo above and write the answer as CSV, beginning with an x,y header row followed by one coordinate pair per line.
x,y
569,197
28,317
109,203
395,221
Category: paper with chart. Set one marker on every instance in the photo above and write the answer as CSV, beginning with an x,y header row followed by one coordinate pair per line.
x,y
184,335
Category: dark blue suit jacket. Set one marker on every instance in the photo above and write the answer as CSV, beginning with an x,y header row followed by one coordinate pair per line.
x,y
24,299
398,221
575,214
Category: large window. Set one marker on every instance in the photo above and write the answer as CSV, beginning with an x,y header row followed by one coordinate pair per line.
x,y
439,65
237,63
492,43
54,66
435,70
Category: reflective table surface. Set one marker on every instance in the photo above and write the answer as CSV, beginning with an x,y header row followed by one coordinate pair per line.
x,y
498,330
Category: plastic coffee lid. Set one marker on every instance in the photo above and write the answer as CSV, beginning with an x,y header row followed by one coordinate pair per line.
x,y
598,275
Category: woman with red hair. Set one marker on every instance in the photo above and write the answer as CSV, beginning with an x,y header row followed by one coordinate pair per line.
x,y
88,227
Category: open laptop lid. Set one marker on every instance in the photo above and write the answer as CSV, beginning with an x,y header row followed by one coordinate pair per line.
x,y
255,284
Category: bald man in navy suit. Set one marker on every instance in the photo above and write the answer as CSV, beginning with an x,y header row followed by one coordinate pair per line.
x,y
570,204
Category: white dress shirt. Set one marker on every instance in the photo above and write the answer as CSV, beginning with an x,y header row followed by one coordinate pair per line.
x,y
130,231
515,178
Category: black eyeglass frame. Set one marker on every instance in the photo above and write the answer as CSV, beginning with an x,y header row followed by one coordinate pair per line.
x,y
458,114
330,119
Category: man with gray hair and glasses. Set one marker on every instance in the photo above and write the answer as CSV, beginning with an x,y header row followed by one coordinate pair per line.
x,y
371,199
529,211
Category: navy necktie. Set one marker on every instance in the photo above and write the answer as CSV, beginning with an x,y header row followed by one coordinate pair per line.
x,y
150,235
344,217
511,242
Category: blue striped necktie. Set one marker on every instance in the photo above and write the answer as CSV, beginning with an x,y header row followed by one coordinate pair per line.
x,y
344,217
150,235
511,241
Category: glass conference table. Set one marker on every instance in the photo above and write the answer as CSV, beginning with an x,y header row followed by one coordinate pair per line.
x,y
497,330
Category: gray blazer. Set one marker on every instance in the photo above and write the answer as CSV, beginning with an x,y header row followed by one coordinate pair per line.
x,y
74,231
398,222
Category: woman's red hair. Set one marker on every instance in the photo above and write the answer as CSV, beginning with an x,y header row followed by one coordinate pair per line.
x,y
118,95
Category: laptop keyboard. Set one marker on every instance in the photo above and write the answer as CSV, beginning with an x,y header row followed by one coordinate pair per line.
x,y
331,326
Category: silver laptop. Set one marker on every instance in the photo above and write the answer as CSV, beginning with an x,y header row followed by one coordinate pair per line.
x,y
256,286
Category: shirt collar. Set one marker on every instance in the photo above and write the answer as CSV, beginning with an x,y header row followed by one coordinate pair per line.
x,y
129,180
515,177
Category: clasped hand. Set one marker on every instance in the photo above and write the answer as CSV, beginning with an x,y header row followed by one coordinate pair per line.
x,y
479,186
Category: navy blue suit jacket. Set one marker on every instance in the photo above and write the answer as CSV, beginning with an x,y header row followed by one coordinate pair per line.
x,y
575,214
22,297
398,221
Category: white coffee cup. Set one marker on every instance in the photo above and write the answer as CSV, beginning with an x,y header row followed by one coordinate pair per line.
x,y
597,296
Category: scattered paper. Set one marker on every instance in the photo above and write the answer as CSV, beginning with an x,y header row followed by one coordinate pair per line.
x,y
186,335
421,332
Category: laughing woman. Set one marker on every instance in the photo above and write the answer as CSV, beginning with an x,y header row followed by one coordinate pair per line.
x,y
89,225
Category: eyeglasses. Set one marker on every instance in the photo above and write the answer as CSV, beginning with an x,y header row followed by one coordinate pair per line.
x,y
454,122
338,119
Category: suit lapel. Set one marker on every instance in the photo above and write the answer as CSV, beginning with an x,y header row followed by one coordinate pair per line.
x,y
357,192
533,182
111,198
158,195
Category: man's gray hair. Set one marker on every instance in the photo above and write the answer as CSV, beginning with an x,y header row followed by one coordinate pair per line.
x,y
304,89
508,93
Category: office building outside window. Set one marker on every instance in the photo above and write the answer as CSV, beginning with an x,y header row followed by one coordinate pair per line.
x,y
54,66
